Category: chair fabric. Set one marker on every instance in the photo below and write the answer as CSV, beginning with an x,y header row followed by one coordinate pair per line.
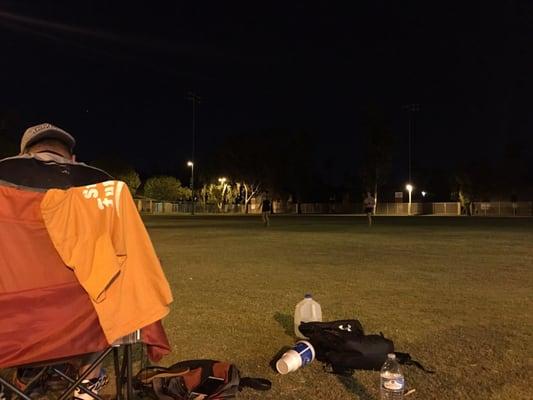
x,y
46,314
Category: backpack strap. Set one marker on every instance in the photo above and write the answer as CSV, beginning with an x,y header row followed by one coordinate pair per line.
x,y
255,383
405,359
148,374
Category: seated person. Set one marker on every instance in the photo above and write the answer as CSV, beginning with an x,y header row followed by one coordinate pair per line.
x,y
47,161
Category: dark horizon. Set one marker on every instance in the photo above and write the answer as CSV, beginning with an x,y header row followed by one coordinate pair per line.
x,y
117,75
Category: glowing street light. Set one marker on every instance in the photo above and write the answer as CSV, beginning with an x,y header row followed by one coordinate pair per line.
x,y
223,183
191,165
423,194
409,188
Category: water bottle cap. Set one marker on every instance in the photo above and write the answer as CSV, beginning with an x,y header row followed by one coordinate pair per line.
x,y
391,356
308,296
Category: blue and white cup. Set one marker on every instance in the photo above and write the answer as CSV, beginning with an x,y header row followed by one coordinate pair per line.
x,y
300,355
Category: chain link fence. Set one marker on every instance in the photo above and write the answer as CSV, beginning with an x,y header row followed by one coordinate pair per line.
x,y
495,208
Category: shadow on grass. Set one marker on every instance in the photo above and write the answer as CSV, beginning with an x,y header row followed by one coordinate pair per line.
x,y
286,322
353,386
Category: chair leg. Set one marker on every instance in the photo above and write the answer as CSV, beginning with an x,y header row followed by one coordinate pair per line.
x,y
129,386
118,376
77,382
80,386
126,372
121,372
14,389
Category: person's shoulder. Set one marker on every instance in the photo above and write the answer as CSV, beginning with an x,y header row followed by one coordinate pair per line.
x,y
83,165
84,172
50,160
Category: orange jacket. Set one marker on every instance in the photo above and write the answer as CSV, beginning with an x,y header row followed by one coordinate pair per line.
x,y
98,232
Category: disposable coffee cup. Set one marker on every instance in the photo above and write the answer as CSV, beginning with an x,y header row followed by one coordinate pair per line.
x,y
299,356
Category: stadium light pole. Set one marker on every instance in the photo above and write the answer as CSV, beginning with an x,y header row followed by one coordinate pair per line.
x,y
191,165
411,109
195,102
409,188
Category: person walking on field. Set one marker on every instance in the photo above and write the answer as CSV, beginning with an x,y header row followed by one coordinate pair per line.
x,y
369,204
266,208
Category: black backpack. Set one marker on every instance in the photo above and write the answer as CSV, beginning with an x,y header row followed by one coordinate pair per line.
x,y
195,380
344,347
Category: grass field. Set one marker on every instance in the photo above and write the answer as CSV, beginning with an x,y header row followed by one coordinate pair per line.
x,y
456,293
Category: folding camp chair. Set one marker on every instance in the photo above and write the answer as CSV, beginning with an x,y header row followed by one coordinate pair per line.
x,y
123,372
47,318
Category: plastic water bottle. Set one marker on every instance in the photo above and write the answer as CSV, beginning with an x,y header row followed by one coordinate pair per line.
x,y
392,380
306,310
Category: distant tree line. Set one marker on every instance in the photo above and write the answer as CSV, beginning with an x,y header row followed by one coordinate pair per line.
x,y
284,162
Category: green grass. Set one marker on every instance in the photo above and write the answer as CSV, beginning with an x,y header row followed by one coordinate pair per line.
x,y
456,293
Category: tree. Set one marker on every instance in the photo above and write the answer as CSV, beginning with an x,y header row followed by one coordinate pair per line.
x,y
163,188
279,161
120,170
220,194
247,191
243,158
474,182
464,192
293,166
377,159
207,194
184,193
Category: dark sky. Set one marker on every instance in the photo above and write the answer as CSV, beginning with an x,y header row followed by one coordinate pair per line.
x,y
116,75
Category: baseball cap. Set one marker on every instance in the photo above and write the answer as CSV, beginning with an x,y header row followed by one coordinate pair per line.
x,y
45,131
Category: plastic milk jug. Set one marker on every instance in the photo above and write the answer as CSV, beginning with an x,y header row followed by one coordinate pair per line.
x,y
306,310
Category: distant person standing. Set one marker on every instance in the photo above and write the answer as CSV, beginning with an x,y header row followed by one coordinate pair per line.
x,y
266,208
369,203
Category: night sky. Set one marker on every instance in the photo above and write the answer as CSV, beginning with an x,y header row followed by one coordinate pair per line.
x,y
116,75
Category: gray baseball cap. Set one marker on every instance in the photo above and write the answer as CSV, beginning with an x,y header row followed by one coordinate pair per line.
x,y
45,131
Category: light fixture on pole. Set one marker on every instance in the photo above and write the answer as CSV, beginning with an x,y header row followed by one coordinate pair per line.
x,y
223,183
409,188
191,165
